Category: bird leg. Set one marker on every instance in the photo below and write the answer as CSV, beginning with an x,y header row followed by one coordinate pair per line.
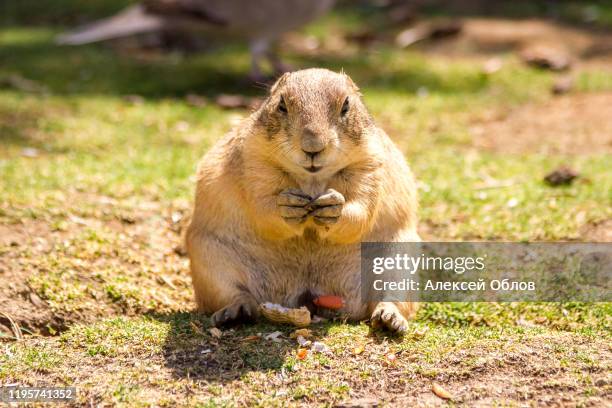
x,y
259,49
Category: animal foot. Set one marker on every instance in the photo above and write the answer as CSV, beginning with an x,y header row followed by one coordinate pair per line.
x,y
292,205
387,316
327,208
235,313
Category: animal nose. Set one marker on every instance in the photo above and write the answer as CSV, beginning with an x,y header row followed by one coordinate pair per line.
x,y
312,155
312,143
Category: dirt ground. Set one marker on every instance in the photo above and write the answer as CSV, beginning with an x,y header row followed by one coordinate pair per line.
x,y
150,242
512,370
489,36
568,125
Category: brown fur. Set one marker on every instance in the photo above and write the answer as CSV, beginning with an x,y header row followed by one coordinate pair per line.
x,y
250,241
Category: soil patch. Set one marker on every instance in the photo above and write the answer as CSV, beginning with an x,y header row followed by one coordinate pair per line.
x,y
598,232
570,124
116,260
494,35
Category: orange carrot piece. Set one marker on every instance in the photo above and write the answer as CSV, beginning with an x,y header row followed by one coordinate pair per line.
x,y
329,302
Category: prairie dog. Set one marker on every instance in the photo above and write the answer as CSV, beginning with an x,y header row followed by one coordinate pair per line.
x,y
284,200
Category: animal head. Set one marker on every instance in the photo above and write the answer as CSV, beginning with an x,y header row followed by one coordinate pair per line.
x,y
314,122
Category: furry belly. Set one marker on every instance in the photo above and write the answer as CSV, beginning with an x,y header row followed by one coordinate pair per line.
x,y
295,272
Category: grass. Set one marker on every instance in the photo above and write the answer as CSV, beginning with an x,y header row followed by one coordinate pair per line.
x,y
95,215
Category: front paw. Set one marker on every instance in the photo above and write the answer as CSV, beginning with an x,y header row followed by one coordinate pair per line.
x,y
292,205
387,316
235,313
327,208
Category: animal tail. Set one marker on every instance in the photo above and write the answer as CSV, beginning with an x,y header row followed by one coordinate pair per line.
x,y
132,20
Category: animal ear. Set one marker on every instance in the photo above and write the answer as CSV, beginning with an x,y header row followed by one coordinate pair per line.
x,y
280,82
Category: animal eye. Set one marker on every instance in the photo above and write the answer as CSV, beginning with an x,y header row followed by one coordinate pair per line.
x,y
282,107
345,107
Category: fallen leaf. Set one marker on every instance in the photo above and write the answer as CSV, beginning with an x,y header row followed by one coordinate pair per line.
x,y
251,338
319,347
420,333
216,333
302,353
306,333
425,31
165,280
303,342
18,335
359,349
196,329
274,336
441,392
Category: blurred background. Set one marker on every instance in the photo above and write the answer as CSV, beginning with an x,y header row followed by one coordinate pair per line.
x,y
482,96
169,37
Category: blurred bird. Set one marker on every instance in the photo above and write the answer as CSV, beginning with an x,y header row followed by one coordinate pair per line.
x,y
259,22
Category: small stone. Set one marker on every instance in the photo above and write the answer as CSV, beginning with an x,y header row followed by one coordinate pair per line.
x,y
303,342
359,403
274,336
36,300
29,152
319,347
562,85
513,202
546,57
134,99
492,65
228,101
601,382
197,101
216,333
561,176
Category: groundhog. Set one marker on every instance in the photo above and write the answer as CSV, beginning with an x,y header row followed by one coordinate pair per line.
x,y
284,200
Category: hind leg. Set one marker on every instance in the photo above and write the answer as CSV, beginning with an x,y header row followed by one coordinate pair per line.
x,y
346,281
242,309
219,281
393,316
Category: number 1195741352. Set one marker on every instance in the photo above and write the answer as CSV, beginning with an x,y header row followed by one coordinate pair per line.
x,y
36,394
